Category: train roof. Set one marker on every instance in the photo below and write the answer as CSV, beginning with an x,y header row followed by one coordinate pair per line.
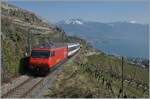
x,y
41,49
49,46
73,44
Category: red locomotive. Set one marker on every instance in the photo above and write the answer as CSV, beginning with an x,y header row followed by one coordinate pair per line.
x,y
46,58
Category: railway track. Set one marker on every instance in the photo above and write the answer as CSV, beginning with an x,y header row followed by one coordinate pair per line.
x,y
24,88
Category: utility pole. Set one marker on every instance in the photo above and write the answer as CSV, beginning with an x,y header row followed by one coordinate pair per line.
x,y
29,41
122,75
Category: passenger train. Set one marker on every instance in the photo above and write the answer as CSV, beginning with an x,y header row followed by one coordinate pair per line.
x,y
45,58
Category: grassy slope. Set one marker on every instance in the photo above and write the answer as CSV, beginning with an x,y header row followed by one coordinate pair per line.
x,y
89,77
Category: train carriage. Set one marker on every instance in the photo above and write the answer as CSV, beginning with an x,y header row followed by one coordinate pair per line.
x,y
73,48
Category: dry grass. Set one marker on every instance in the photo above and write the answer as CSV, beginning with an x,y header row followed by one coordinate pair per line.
x,y
79,79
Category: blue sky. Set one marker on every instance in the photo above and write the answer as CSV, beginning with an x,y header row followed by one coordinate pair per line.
x,y
101,11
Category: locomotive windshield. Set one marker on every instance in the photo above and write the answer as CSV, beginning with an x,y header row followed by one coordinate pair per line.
x,y
40,54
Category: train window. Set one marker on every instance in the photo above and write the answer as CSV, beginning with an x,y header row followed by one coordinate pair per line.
x,y
40,54
73,48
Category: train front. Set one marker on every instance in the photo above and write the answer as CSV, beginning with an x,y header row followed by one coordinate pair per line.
x,y
39,60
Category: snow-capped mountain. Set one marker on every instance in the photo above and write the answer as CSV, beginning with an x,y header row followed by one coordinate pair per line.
x,y
133,22
73,21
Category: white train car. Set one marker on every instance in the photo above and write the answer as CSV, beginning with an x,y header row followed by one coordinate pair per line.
x,y
73,48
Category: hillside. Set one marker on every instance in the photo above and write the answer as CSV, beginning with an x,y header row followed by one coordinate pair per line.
x,y
17,25
97,75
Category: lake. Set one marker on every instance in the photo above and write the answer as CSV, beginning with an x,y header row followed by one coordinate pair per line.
x,y
124,47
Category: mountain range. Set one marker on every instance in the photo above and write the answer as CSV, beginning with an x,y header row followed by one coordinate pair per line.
x,y
86,28
125,36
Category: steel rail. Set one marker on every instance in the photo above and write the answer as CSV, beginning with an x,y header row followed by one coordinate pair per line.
x,y
11,90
